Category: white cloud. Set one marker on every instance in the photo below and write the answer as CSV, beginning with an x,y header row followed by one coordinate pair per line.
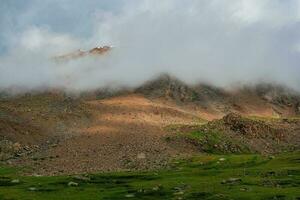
x,y
216,41
44,41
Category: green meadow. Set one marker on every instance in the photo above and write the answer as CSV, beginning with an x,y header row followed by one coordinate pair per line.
x,y
200,177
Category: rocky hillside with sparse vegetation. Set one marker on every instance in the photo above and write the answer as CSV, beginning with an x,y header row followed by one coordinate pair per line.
x,y
84,132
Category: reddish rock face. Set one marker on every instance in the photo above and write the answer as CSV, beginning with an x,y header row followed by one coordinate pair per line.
x,y
79,53
100,50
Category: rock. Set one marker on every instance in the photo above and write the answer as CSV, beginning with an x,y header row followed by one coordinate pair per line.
x,y
26,148
15,181
82,178
248,127
141,156
9,162
129,195
142,191
179,193
243,189
53,145
232,181
36,175
19,154
285,120
32,189
72,184
271,157
156,188
16,146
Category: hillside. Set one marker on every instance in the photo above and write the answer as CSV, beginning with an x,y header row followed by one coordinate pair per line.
x,y
133,129
259,100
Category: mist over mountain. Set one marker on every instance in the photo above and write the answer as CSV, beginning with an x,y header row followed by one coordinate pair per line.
x,y
215,42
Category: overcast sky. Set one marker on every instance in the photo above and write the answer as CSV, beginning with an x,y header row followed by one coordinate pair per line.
x,y
217,41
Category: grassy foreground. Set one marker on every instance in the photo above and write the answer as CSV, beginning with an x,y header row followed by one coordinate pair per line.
x,y
202,177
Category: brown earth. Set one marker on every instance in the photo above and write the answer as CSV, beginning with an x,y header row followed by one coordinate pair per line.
x,y
126,132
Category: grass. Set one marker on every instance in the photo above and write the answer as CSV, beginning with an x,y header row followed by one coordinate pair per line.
x,y
216,142
218,138
201,177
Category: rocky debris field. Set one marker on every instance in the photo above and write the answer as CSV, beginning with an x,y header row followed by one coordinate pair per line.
x,y
236,134
117,134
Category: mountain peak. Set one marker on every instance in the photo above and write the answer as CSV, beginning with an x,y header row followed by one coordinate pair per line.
x,y
100,50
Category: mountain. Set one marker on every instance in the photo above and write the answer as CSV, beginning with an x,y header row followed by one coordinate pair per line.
x,y
53,132
80,53
261,99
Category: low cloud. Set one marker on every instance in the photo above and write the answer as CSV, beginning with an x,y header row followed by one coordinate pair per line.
x,y
214,41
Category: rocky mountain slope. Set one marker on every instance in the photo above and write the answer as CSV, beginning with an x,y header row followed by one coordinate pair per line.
x,y
260,100
128,129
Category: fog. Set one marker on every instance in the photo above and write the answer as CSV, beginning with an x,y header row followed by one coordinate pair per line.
x,y
213,41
